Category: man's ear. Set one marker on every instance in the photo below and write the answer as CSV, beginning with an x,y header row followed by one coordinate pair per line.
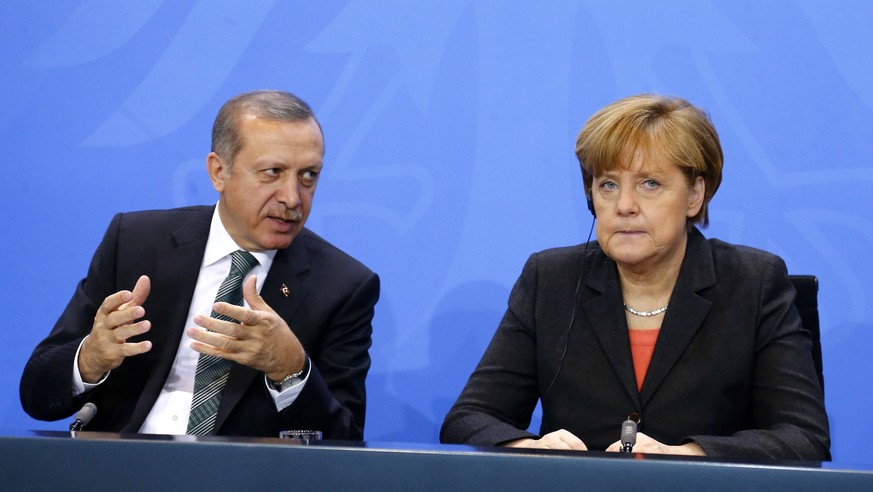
x,y
218,171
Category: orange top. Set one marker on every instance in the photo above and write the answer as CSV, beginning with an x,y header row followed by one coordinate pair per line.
x,y
642,344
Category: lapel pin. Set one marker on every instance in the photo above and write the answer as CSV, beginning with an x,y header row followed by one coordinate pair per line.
x,y
285,291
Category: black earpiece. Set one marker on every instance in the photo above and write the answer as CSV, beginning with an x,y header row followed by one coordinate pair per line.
x,y
589,199
590,202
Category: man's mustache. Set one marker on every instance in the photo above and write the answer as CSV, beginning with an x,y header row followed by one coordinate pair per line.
x,y
293,215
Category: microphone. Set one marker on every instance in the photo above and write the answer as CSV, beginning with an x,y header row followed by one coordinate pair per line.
x,y
628,435
88,411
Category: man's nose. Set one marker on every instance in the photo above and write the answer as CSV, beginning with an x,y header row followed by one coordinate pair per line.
x,y
288,193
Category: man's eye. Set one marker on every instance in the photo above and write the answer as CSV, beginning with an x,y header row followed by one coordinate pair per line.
x,y
310,175
273,171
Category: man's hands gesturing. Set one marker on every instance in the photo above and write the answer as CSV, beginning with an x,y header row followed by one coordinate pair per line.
x,y
106,347
262,340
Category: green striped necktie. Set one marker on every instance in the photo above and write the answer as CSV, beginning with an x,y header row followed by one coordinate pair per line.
x,y
212,372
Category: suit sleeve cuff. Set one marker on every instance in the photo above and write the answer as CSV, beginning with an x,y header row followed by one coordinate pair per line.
x,y
284,399
80,386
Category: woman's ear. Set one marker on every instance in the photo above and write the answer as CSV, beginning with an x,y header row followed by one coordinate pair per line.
x,y
695,198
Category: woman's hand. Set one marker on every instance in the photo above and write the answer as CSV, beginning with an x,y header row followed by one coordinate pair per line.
x,y
646,444
560,439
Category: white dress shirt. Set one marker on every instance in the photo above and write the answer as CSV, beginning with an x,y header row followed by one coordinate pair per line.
x,y
169,415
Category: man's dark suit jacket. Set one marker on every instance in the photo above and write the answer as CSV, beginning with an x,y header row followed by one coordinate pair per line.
x,y
329,307
731,369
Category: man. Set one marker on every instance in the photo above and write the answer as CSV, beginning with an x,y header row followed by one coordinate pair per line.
x,y
176,354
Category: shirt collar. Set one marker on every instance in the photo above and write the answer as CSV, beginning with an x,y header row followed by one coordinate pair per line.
x,y
220,244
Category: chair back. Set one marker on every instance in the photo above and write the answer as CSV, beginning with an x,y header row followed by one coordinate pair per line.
x,y
807,304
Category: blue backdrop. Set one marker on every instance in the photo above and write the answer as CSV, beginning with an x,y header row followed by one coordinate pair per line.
x,y
450,128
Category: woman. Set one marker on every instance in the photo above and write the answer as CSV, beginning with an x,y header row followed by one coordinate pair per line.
x,y
698,337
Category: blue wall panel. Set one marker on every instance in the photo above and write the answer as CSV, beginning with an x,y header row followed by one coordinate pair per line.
x,y
450,129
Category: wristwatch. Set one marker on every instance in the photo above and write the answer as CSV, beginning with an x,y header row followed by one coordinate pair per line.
x,y
291,379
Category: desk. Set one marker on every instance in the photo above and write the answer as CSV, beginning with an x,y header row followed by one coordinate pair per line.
x,y
102,461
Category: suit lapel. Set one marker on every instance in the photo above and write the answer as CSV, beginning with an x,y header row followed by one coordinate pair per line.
x,y
290,270
609,323
686,313
173,282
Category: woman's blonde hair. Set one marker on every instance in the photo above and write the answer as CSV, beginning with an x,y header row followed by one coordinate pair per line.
x,y
670,127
